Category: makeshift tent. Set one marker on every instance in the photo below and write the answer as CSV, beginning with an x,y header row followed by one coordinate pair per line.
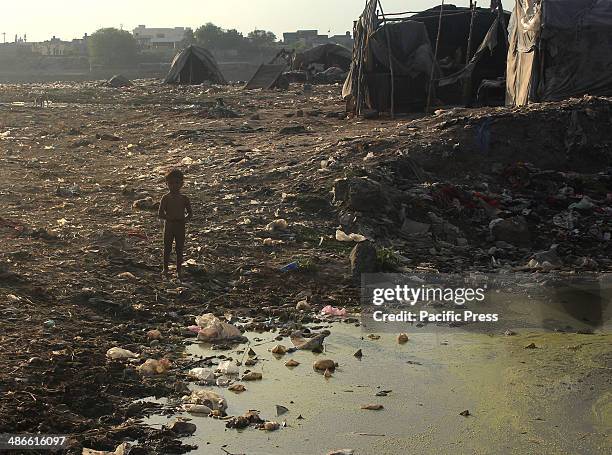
x,y
488,40
559,49
194,65
393,56
412,59
326,55
268,76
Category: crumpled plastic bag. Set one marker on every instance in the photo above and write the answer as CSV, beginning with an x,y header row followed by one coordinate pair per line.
x,y
228,368
120,354
202,374
208,398
341,236
152,367
122,449
213,329
333,311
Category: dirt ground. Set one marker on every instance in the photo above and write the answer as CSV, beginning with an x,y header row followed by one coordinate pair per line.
x,y
80,255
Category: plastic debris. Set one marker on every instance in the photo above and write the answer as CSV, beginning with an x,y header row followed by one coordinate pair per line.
x,y
213,329
120,354
228,368
333,311
202,374
153,367
341,236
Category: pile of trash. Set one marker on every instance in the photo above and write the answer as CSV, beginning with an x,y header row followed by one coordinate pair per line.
x,y
443,203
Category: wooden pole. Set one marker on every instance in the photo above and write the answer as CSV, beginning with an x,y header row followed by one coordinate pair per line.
x,y
390,60
435,62
467,82
502,19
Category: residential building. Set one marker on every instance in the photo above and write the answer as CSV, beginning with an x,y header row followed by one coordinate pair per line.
x,y
55,47
159,37
306,38
345,40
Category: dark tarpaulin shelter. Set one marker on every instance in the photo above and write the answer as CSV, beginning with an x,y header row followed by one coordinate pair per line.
x,y
559,49
194,65
268,76
411,59
328,55
488,51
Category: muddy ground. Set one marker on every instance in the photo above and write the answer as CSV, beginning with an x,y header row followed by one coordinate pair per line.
x,y
80,179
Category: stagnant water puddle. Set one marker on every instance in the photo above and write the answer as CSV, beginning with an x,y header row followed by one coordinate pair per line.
x,y
555,398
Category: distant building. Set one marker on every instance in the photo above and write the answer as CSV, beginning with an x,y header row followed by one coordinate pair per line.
x,y
159,37
55,47
307,38
311,38
345,40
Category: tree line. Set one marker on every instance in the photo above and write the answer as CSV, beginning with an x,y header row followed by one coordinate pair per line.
x,y
114,47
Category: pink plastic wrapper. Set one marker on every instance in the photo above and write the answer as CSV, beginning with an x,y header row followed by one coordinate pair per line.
x,y
194,328
333,311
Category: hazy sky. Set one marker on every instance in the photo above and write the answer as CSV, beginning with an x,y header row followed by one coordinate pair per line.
x,y
67,19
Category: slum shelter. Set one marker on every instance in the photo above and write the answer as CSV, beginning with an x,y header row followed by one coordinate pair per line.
x,y
268,76
323,57
194,65
559,49
397,66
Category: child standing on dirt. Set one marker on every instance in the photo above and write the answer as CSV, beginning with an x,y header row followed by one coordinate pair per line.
x,y
175,210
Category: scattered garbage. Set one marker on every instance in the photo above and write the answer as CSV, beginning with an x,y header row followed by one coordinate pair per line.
x,y
402,338
237,388
372,407
252,376
212,329
153,367
303,305
314,344
202,374
250,418
208,398
290,267
122,449
332,311
49,324
342,237
325,364
120,354
228,368
279,349
271,426
277,225
197,409
154,334
183,428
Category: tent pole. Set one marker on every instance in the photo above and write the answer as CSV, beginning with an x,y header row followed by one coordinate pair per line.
x,y
190,71
467,83
435,62
502,20
390,61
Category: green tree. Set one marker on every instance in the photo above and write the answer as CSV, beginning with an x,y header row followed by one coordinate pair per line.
x,y
112,47
209,35
188,38
262,38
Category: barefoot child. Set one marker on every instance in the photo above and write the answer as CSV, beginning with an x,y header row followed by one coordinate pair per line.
x,y
172,210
